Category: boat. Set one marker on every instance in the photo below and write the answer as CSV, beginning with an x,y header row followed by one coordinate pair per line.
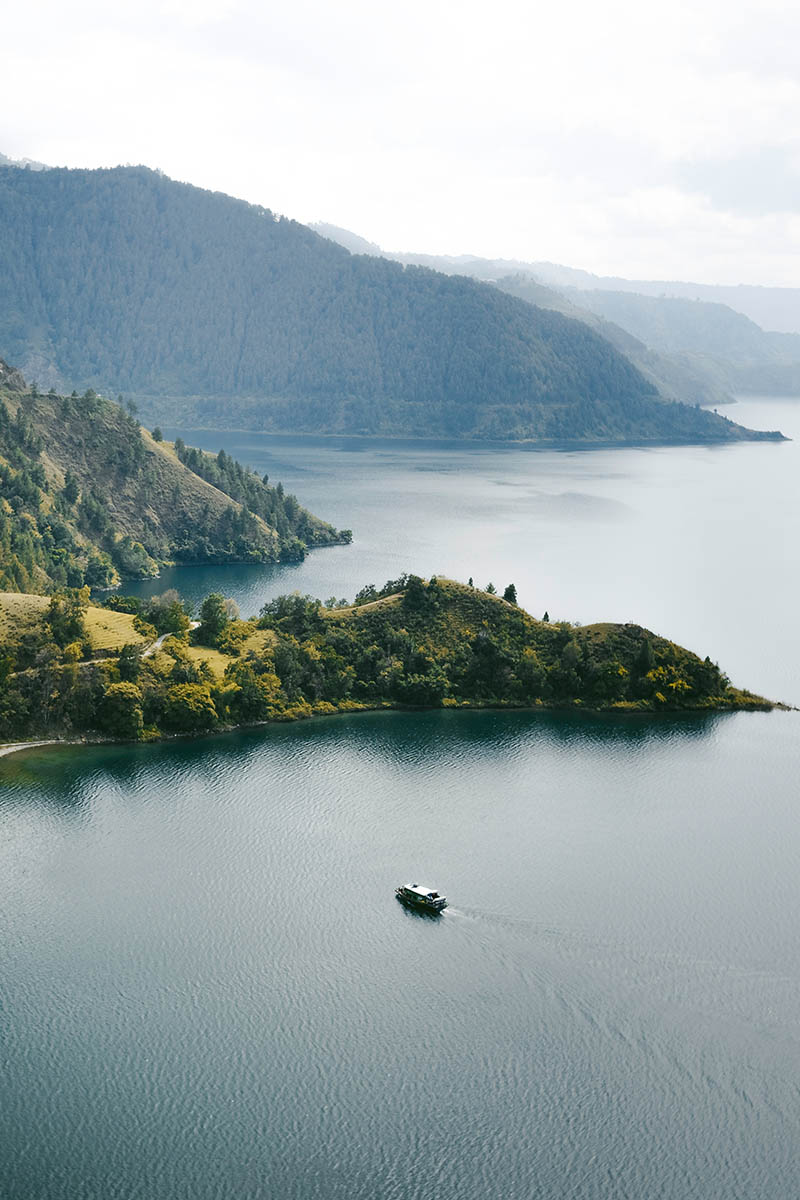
x,y
416,895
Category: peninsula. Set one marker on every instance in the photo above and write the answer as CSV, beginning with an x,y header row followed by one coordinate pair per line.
x,y
136,670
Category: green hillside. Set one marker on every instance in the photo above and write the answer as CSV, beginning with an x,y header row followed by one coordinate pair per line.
x,y
123,280
412,644
694,352
87,496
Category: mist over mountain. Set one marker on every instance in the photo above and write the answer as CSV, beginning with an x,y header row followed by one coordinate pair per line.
x,y
25,164
126,280
773,308
692,349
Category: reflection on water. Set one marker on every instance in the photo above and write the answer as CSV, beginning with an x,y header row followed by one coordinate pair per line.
x,y
666,537
209,988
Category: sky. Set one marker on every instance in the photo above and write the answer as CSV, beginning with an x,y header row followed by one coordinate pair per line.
x,y
649,140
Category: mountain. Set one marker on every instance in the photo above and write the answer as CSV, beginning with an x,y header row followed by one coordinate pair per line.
x,y
216,312
345,237
677,373
772,308
87,496
676,376
691,349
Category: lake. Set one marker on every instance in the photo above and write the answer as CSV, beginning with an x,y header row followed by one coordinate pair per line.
x,y
209,990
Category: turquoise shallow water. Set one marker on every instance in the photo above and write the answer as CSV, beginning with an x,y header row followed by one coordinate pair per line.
x,y
209,991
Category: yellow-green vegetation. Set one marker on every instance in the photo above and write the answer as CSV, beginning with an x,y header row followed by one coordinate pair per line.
x,y
105,630
215,659
87,497
111,631
411,644
19,612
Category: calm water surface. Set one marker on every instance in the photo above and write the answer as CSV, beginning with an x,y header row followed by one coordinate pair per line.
x,y
701,544
209,991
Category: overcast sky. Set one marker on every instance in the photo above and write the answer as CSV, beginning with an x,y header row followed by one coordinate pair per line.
x,y
655,139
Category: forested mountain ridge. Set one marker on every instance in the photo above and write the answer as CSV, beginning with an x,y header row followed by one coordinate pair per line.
x,y
691,349
87,496
125,280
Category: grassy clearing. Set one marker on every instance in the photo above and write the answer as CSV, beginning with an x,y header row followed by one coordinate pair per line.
x,y
107,630
19,612
258,641
356,609
111,630
216,661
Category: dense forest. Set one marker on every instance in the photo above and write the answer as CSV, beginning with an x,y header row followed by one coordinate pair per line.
x,y
87,496
693,350
125,280
67,668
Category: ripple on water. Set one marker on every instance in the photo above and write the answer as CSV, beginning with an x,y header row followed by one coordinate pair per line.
x,y
209,988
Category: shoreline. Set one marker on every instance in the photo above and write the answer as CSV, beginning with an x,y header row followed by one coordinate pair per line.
x,y
441,441
90,739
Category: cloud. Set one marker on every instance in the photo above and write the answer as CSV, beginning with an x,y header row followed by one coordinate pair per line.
x,y
759,181
589,133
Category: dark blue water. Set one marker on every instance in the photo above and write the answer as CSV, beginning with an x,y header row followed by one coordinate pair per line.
x,y
209,991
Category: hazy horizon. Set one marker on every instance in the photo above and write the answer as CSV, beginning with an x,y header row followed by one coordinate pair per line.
x,y
655,143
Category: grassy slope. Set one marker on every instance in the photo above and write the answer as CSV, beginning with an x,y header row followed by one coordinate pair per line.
x,y
467,612
152,503
149,494
108,631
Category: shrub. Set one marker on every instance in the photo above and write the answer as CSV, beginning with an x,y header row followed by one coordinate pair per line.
x,y
121,710
189,708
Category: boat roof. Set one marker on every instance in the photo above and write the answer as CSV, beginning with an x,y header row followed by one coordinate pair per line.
x,y
420,889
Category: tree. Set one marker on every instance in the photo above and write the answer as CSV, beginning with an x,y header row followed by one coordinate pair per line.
x,y
254,696
645,659
189,708
157,435
65,615
167,613
491,589
129,663
416,594
213,619
121,710
71,489
510,594
546,617
99,571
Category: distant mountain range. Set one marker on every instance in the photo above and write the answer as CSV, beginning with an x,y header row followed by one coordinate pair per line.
x,y
218,313
773,308
694,341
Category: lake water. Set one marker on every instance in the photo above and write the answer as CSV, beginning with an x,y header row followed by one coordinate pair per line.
x,y
209,990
